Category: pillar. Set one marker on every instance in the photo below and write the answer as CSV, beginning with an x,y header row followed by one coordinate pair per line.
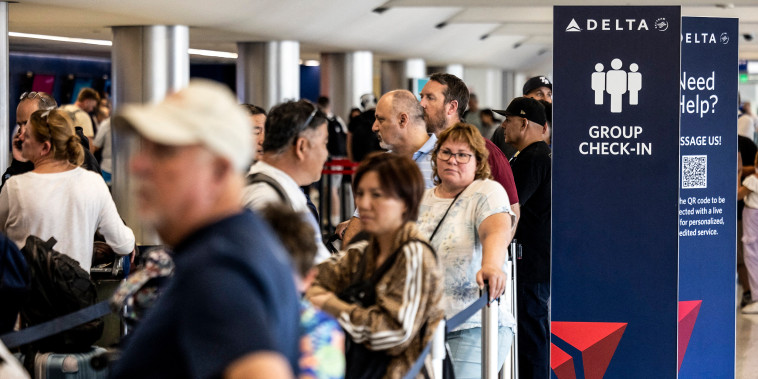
x,y
345,77
4,87
148,62
396,73
268,73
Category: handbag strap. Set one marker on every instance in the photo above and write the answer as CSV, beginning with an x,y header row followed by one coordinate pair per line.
x,y
445,215
387,264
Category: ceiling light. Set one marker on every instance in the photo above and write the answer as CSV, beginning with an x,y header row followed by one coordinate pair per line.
x,y
61,39
212,53
206,53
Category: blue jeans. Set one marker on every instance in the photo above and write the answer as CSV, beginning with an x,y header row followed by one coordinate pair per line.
x,y
466,350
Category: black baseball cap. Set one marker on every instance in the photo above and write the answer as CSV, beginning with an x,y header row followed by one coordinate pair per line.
x,y
527,108
537,82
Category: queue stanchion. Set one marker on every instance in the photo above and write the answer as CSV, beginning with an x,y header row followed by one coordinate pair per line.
x,y
489,337
510,366
438,350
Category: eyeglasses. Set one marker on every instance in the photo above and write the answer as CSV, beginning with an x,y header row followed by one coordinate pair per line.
x,y
446,154
34,95
307,122
310,117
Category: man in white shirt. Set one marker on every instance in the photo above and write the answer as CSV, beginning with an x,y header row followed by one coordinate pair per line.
x,y
294,152
85,103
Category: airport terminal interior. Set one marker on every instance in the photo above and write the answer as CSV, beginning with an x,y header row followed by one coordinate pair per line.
x,y
269,52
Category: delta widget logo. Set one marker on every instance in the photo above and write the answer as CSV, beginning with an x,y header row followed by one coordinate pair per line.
x,y
584,350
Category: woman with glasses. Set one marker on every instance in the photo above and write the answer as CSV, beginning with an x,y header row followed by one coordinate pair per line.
x,y
468,220
59,198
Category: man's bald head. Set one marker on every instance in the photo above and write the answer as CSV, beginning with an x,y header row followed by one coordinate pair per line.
x,y
400,122
404,101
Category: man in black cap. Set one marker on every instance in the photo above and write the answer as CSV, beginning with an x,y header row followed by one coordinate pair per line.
x,y
524,124
539,88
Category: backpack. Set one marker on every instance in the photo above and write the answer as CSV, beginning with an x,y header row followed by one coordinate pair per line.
x,y
337,142
59,286
14,283
260,177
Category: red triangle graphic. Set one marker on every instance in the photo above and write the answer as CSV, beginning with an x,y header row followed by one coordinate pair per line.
x,y
688,311
561,363
596,340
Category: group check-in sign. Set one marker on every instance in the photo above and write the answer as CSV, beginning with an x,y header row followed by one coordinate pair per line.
x,y
620,187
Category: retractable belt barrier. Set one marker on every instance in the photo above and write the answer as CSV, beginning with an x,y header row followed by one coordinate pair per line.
x,y
57,325
436,346
326,187
339,163
450,325
489,330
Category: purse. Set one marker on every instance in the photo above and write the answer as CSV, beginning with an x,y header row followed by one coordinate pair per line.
x,y
360,361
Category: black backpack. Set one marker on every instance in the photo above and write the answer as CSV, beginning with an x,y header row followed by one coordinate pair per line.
x,y
59,286
14,283
337,142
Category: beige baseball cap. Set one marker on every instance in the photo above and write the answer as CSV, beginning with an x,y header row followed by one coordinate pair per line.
x,y
205,113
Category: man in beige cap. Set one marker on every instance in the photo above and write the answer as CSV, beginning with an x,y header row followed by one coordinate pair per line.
x,y
231,309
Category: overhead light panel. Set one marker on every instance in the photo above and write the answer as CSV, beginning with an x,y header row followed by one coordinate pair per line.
x,y
212,53
61,39
98,42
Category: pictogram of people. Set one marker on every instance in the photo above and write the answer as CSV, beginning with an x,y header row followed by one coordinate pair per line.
x,y
616,82
635,84
598,83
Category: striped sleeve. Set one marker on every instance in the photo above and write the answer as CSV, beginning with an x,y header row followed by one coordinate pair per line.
x,y
399,311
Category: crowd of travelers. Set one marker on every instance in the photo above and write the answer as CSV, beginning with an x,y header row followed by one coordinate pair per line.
x,y
254,291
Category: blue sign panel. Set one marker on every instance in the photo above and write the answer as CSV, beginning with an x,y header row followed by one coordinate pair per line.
x,y
615,192
707,203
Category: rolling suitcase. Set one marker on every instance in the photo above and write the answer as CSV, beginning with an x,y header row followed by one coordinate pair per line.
x,y
68,366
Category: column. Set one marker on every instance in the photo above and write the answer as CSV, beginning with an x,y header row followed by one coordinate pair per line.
x,y
148,62
268,73
345,77
4,83
396,73
486,84
454,69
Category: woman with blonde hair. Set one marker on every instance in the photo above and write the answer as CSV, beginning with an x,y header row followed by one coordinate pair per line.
x,y
59,198
468,220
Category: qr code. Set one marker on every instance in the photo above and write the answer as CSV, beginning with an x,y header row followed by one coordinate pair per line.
x,y
694,171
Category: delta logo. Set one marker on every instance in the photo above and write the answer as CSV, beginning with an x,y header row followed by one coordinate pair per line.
x,y
617,24
583,350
